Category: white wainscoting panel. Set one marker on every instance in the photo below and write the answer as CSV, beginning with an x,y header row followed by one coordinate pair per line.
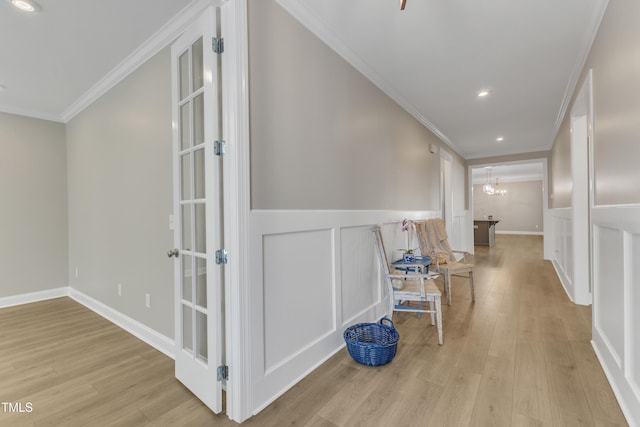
x,y
313,273
616,298
460,231
608,313
633,282
562,247
361,285
298,284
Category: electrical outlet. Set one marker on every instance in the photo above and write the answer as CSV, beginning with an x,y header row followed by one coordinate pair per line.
x,y
148,301
119,289
77,273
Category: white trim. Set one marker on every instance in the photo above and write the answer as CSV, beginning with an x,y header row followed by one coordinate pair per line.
x,y
503,179
159,40
613,379
578,66
559,221
33,297
546,212
619,364
515,151
525,233
564,279
155,339
237,191
312,23
581,120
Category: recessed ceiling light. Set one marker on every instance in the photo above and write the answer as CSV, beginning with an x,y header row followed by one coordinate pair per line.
x,y
26,5
483,93
499,139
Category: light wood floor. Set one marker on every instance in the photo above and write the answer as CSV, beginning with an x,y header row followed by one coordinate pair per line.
x,y
518,356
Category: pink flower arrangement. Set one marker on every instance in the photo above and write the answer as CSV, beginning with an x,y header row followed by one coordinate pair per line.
x,y
407,225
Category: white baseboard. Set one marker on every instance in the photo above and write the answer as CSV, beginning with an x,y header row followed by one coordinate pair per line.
x,y
34,297
525,233
154,339
624,395
563,279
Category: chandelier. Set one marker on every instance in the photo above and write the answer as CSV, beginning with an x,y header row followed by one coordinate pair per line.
x,y
497,190
493,190
488,188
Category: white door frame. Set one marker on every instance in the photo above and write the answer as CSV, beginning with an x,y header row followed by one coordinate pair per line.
x,y
237,191
236,200
546,219
581,118
446,160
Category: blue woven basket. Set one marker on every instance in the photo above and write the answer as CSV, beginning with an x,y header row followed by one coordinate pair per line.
x,y
372,344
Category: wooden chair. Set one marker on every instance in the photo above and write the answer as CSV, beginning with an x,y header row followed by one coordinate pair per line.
x,y
433,239
416,287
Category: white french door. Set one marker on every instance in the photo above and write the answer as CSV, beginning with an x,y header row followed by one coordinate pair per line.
x,y
198,211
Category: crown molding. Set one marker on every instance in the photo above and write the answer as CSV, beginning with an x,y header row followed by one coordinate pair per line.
x,y
578,66
313,24
160,39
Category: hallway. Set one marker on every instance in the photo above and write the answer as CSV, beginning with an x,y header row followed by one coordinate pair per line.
x,y
519,356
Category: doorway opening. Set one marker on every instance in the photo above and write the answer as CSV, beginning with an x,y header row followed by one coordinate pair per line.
x,y
519,198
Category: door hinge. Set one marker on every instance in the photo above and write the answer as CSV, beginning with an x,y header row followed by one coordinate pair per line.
x,y
219,148
217,44
223,373
221,256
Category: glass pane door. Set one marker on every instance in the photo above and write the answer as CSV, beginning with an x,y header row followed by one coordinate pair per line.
x,y
198,208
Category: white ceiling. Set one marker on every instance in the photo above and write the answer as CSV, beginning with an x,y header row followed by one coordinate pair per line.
x,y
51,58
432,58
435,56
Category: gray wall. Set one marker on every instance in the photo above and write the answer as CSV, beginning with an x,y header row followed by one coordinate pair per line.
x,y
615,60
120,196
33,218
322,135
519,210
560,181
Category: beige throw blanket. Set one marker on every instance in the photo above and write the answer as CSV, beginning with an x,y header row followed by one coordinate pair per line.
x,y
432,235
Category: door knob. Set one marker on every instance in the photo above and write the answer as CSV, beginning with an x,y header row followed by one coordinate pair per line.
x,y
174,253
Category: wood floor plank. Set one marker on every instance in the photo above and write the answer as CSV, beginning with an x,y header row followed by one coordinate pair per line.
x,y
519,420
493,404
569,404
520,355
531,390
318,421
602,401
505,335
455,406
352,395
